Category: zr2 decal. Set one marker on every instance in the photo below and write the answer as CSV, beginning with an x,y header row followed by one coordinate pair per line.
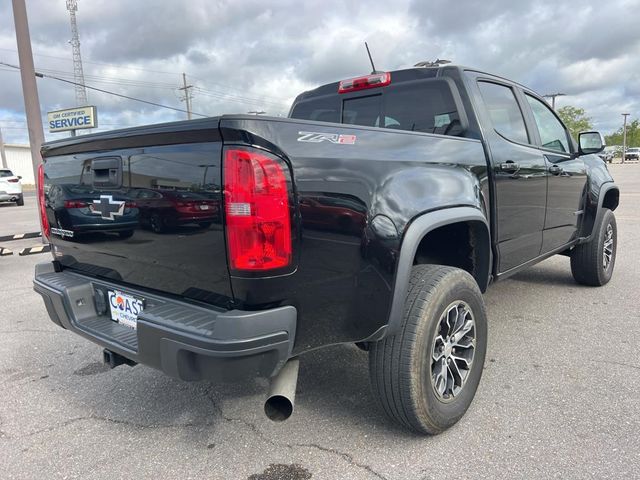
x,y
316,137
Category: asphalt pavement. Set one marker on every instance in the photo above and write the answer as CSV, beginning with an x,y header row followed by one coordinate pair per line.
x,y
559,397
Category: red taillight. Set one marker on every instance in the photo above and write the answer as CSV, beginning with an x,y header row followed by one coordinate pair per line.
x,y
362,83
258,220
14,180
46,229
75,204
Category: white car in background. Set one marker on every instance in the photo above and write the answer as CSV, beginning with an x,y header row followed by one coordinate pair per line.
x,y
10,187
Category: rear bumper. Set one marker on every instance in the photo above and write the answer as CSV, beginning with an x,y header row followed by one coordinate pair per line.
x,y
9,197
183,340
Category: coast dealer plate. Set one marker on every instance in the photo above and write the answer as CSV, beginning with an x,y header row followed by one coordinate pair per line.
x,y
125,308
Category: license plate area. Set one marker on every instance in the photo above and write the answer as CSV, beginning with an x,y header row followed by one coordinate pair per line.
x,y
125,308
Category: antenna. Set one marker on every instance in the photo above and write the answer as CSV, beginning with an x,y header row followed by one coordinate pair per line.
x,y
371,59
78,74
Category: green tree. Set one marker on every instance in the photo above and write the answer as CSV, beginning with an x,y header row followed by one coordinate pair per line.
x,y
575,119
633,135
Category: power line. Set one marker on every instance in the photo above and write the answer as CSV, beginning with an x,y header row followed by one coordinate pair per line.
x,y
226,87
218,95
39,74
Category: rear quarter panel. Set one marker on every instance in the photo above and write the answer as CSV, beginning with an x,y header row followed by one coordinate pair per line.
x,y
355,202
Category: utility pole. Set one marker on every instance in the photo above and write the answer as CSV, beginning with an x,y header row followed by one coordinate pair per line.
x,y
624,136
553,96
187,94
29,86
78,73
2,154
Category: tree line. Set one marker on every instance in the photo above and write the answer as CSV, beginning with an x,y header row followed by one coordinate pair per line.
x,y
577,121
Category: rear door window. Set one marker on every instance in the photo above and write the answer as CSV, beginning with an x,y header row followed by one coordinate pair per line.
x,y
504,111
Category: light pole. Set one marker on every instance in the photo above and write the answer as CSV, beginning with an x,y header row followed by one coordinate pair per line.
x,y
29,87
624,136
553,96
2,154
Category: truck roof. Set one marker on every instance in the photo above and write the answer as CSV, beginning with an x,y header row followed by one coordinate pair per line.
x,y
405,75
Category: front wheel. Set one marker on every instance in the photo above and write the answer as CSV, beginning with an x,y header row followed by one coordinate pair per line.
x,y
592,263
426,375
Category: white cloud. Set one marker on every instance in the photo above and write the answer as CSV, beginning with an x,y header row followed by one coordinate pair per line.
x,y
251,54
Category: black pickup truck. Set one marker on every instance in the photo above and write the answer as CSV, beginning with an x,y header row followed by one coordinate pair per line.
x,y
375,214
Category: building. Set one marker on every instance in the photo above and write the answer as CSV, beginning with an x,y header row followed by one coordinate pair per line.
x,y
19,162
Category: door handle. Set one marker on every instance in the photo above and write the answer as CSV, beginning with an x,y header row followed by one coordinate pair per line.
x,y
509,166
555,169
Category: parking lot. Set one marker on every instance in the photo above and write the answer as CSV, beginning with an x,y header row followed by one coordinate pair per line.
x,y
558,399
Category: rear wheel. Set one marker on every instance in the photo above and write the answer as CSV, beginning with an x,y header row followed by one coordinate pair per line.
x,y
426,375
20,201
592,263
156,223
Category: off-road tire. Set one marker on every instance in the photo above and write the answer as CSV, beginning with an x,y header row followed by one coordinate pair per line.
x,y
401,365
587,259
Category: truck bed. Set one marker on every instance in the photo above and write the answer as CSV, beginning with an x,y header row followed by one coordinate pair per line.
x,y
354,191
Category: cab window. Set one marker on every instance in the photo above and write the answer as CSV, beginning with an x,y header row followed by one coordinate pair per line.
x,y
504,111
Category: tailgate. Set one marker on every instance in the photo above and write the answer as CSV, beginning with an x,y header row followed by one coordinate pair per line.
x,y
141,208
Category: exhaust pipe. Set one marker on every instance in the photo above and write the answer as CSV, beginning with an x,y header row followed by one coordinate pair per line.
x,y
282,393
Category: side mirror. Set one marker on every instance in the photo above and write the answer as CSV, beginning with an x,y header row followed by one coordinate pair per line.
x,y
590,142
19,177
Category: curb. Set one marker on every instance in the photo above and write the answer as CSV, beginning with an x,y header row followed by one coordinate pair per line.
x,y
20,236
35,250
5,252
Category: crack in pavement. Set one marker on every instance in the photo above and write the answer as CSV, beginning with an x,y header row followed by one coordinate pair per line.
x,y
253,427
622,364
346,456
114,421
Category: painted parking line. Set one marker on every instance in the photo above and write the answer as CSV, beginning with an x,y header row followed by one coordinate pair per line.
x,y
20,236
4,252
35,250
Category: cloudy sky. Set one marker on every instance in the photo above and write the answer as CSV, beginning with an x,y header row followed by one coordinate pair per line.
x,y
244,55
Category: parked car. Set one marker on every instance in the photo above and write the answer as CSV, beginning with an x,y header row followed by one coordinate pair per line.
x,y
454,179
163,209
11,187
632,154
606,156
73,210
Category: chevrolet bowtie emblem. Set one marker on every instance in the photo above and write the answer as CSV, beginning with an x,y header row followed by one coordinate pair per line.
x,y
107,207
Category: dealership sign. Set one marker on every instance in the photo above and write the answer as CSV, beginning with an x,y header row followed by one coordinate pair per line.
x,y
72,119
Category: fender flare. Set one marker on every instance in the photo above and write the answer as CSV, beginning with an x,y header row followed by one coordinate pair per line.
x,y
604,189
411,239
